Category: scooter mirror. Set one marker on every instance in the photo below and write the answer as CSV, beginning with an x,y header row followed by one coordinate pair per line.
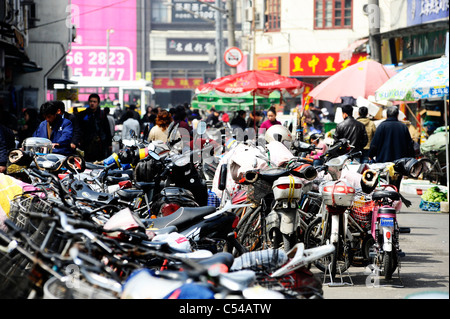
x,y
20,157
223,177
201,128
75,163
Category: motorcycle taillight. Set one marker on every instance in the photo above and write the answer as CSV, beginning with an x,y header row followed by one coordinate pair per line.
x,y
235,222
286,186
168,209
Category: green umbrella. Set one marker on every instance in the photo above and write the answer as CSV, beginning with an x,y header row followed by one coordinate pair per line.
x,y
229,104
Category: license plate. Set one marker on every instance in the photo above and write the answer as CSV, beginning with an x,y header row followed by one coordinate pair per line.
x,y
387,222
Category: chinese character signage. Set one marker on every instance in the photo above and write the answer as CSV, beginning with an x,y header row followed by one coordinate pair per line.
x,y
422,11
188,46
192,11
177,83
319,64
269,63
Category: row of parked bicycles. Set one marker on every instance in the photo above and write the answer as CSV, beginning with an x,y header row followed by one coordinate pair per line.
x,y
210,217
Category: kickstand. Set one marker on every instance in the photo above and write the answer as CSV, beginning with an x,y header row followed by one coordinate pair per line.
x,y
374,280
332,283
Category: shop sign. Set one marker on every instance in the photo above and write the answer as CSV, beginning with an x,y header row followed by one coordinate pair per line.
x,y
177,83
192,11
320,64
422,11
269,63
188,46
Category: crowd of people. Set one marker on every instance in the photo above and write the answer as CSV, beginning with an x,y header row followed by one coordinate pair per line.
x,y
390,141
90,131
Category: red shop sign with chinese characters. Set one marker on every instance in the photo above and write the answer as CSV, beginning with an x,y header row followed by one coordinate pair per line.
x,y
319,64
176,83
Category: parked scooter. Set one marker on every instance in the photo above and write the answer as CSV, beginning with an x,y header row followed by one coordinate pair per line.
x,y
386,231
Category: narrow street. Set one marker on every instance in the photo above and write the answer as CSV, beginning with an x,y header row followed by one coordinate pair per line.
x,y
424,269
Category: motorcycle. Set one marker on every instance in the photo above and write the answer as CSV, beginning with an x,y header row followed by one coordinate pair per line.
x,y
282,223
209,228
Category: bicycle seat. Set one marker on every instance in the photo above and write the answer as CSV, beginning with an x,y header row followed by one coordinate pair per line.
x,y
380,195
218,258
181,218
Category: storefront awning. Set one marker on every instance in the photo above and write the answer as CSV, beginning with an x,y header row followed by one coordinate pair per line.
x,y
346,54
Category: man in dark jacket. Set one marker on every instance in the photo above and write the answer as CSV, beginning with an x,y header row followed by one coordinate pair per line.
x,y
351,129
55,128
392,140
95,131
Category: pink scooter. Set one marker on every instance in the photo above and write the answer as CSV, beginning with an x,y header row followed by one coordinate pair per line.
x,y
385,230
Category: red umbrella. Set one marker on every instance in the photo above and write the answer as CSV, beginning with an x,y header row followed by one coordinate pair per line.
x,y
360,79
260,83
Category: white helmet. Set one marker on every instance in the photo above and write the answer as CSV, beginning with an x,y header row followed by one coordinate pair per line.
x,y
278,133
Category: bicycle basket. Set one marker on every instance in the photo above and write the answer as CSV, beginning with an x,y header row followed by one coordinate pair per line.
x,y
361,210
21,206
14,276
258,190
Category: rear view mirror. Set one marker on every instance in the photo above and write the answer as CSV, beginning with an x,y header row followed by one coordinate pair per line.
x,y
223,177
75,164
201,128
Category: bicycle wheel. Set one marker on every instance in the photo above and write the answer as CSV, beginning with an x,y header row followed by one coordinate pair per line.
x,y
339,260
434,172
250,234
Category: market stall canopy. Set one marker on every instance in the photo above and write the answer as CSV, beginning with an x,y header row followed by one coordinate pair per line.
x,y
360,79
255,82
424,80
221,103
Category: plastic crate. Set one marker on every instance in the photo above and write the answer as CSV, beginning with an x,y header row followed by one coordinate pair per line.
x,y
429,206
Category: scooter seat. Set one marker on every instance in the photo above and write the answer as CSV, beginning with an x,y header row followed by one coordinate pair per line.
x,y
115,180
181,218
128,194
379,195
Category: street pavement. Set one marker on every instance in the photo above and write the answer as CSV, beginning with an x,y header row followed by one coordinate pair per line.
x,y
424,269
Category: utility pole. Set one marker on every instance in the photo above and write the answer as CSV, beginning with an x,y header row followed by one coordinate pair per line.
x,y
219,39
373,11
230,27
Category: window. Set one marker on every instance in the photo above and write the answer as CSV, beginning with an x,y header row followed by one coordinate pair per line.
x,y
160,11
333,14
273,15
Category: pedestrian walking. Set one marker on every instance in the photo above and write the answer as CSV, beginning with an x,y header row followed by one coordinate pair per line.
x,y
130,123
392,139
370,130
159,131
271,120
239,120
95,132
351,129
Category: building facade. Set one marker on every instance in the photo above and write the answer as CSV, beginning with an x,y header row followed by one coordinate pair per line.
x,y
35,38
